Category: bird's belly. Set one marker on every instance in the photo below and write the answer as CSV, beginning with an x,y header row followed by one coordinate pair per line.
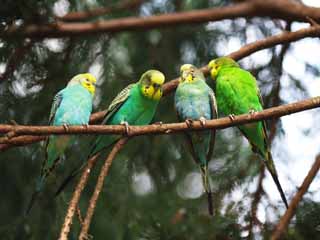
x,y
194,108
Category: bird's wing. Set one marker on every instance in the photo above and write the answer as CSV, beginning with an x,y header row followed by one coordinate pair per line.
x,y
55,105
117,102
214,112
264,127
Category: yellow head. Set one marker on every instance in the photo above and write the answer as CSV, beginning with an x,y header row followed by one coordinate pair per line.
x,y
87,80
189,74
151,84
216,64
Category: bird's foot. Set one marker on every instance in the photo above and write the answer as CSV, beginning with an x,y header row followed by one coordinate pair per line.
x,y
203,121
252,111
86,126
126,126
66,127
158,123
232,117
189,122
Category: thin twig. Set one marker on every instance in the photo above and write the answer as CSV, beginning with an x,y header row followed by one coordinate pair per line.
x,y
255,201
284,221
103,173
14,60
76,197
79,215
277,9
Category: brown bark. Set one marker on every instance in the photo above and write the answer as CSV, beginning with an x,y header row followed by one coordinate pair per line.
x,y
75,198
285,220
103,173
169,128
278,9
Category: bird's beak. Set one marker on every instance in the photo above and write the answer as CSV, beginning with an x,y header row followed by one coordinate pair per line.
x,y
186,76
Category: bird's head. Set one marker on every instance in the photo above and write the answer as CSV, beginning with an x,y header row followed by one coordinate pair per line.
x,y
151,84
87,80
189,73
216,64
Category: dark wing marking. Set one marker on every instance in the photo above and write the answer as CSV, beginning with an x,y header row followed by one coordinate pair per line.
x,y
117,103
214,112
55,105
266,144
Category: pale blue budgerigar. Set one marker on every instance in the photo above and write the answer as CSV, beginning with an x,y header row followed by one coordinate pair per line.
x,y
134,105
195,100
71,106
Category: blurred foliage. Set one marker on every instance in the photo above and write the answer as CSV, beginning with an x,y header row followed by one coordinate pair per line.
x,y
152,190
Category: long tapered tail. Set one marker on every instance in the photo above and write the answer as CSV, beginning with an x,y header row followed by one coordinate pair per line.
x,y
272,169
207,188
35,194
69,178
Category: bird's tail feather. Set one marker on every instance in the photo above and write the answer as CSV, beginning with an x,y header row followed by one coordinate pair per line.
x,y
69,178
207,188
35,194
271,167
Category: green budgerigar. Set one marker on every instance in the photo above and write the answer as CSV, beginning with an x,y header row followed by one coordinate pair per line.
x,y
237,93
134,105
195,100
71,106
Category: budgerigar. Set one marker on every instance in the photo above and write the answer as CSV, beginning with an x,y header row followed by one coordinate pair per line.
x,y
237,93
195,100
71,106
134,105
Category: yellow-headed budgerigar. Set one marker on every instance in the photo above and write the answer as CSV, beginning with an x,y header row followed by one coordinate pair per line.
x,y
71,106
195,100
134,105
237,93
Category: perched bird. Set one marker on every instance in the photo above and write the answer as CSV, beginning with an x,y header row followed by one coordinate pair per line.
x,y
195,100
134,105
237,93
71,106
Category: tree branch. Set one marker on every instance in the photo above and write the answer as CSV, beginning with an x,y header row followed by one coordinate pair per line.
x,y
284,221
278,9
103,173
76,197
170,86
85,15
169,128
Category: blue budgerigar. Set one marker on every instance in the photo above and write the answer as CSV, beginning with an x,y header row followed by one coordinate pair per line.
x,y
195,100
71,106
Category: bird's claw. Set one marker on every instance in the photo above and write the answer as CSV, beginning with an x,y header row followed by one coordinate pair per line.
x,y
189,122
252,111
126,126
158,123
203,121
66,127
232,117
